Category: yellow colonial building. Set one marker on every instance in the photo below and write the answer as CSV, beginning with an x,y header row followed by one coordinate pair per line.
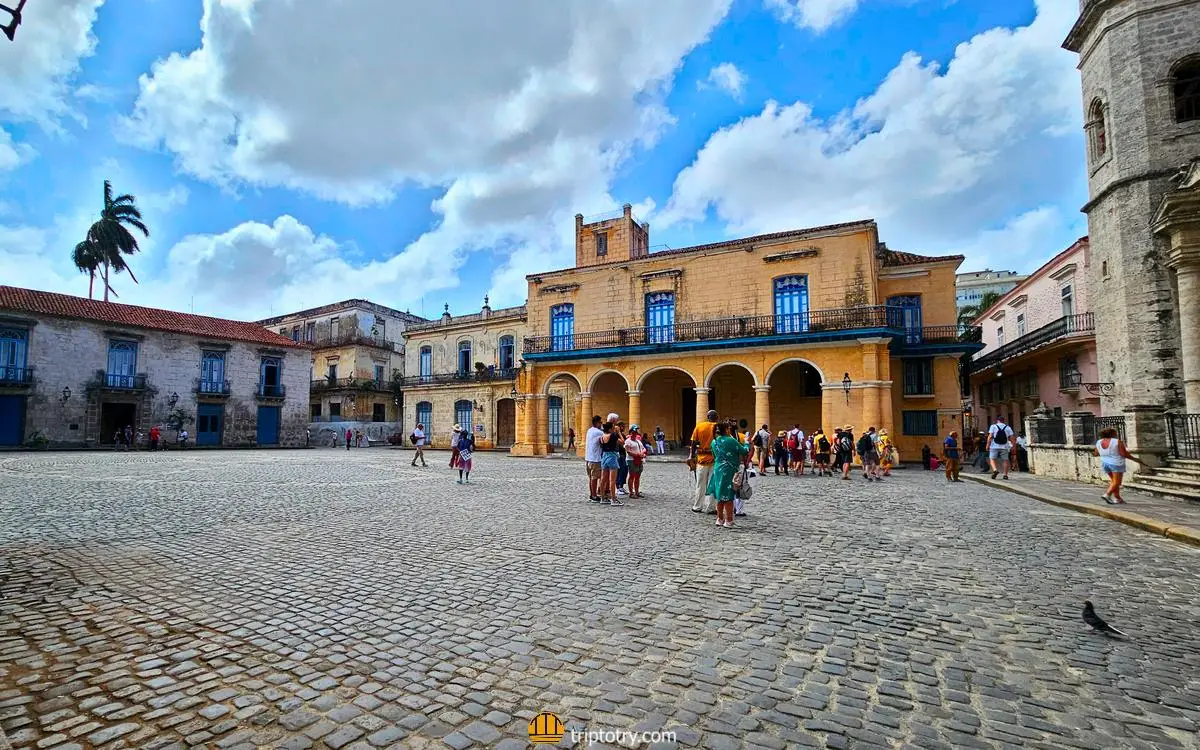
x,y
823,326
462,369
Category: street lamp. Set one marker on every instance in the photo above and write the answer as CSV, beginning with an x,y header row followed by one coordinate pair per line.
x,y
66,394
513,393
846,386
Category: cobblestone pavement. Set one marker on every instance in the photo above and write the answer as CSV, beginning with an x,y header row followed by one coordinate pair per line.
x,y
329,599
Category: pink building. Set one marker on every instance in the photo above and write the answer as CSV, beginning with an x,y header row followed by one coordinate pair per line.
x,y
1039,345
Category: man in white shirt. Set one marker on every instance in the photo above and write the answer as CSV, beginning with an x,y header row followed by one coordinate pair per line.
x,y
999,444
764,449
591,455
418,440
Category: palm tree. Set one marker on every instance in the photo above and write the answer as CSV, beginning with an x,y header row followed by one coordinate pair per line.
x,y
968,314
111,237
87,260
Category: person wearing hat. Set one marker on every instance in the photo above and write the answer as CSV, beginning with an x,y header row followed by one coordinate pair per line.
x,y
635,448
454,438
887,452
844,447
779,448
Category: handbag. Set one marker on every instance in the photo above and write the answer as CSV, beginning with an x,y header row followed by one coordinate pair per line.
x,y
741,484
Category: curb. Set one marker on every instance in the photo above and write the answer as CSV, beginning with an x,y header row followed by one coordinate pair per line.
x,y
1176,532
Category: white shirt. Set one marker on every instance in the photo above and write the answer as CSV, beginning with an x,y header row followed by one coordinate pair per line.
x,y
419,434
591,444
1021,441
764,437
634,446
995,430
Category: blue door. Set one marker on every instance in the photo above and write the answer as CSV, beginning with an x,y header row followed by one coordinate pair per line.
x,y
905,312
268,425
12,419
660,317
556,420
791,304
208,424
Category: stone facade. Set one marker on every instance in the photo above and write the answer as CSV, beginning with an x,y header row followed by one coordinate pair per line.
x,y
72,401
725,346
444,393
1130,52
353,342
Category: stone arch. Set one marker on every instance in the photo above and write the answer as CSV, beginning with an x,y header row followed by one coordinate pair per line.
x,y
732,363
560,374
676,368
782,362
601,373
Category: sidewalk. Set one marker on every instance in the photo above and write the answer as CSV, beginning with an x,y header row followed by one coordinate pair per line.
x,y
1170,518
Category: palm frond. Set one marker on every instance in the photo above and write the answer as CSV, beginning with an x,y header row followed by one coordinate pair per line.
x,y
107,193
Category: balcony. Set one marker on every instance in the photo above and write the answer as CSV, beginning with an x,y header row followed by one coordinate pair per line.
x,y
357,384
353,338
267,392
114,382
1063,328
212,388
815,325
490,375
16,377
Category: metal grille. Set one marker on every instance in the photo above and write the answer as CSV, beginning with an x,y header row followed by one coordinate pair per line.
x,y
1053,431
1183,430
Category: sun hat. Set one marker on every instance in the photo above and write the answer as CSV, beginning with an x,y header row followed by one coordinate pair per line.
x,y
458,428
782,433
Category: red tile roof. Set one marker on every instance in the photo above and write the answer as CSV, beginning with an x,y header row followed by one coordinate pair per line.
x,y
36,302
892,258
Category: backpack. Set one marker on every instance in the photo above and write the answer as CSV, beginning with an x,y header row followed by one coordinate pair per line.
x,y
1001,436
845,444
864,444
791,441
823,444
758,440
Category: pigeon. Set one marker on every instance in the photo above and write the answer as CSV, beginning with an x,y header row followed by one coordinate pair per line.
x,y
1096,623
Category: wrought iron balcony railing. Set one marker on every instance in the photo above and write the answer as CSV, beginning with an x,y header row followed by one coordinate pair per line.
x,y
121,382
10,375
271,391
1068,325
212,387
334,384
813,322
489,375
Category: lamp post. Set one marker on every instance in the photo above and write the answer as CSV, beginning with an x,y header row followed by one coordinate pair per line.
x,y
846,386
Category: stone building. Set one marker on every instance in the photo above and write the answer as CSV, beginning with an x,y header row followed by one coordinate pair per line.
x,y
1140,68
357,364
462,370
972,285
821,327
1039,345
73,371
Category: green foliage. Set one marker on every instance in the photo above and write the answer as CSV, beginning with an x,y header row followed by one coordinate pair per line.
x,y
37,440
968,314
109,240
177,419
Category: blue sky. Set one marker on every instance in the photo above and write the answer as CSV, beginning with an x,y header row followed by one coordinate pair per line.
x,y
287,155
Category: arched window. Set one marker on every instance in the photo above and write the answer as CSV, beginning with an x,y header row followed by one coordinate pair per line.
x,y
562,327
508,353
1185,87
425,416
426,364
1097,131
464,358
462,414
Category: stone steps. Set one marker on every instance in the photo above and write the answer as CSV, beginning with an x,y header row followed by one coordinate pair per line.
x,y
1179,480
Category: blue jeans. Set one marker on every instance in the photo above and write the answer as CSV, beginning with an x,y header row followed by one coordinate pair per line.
x,y
622,470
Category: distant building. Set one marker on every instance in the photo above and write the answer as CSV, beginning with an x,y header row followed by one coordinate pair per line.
x,y
73,371
1039,345
357,364
462,369
971,286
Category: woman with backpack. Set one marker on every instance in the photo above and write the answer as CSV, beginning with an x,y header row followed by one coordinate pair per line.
x,y
821,448
728,455
781,452
844,448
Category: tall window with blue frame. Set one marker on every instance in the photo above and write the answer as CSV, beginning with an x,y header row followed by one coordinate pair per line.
x,y
13,353
508,353
425,416
791,304
212,372
562,327
462,415
464,358
660,317
122,363
555,409
426,364
904,311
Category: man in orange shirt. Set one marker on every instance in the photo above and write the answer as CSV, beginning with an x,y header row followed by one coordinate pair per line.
x,y
701,452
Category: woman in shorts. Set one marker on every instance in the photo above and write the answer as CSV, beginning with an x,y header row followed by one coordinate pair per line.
x,y
610,463
1112,452
636,450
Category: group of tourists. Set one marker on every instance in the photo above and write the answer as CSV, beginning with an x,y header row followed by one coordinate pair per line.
x,y
789,451
615,456
462,450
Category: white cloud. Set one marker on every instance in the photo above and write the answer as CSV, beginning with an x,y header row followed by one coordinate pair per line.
x,y
726,77
817,15
12,154
521,113
38,64
935,155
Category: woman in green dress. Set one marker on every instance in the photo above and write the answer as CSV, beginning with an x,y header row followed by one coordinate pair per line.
x,y
728,453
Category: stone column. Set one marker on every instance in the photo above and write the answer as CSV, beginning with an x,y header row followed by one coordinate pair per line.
x,y
521,436
1075,422
827,396
701,404
541,423
635,408
1188,276
585,416
762,406
1146,430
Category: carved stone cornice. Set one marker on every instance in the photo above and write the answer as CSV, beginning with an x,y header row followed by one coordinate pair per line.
x,y
1178,218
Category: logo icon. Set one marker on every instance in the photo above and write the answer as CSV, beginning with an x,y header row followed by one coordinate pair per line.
x,y
546,729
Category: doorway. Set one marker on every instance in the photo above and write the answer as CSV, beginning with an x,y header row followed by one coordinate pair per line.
x,y
208,424
12,419
687,417
268,425
115,417
506,423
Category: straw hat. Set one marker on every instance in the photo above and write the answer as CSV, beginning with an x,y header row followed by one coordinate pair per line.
x,y
458,428
782,433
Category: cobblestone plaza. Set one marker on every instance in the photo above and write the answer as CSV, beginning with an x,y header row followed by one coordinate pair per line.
x,y
334,599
